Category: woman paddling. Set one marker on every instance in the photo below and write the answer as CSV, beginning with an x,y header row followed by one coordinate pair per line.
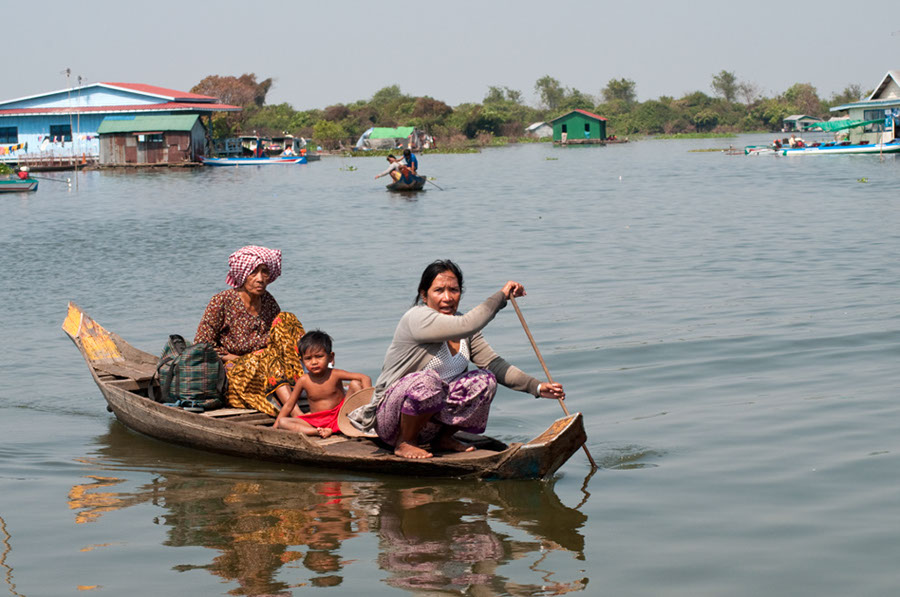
x,y
426,392
255,339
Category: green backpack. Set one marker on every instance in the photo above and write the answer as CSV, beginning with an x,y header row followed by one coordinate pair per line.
x,y
189,373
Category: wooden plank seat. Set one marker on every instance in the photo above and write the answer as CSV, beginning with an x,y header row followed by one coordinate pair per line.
x,y
128,370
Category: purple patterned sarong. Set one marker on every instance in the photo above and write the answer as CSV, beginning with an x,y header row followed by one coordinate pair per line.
x,y
463,403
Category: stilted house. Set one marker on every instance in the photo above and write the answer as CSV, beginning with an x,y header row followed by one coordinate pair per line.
x,y
59,128
151,140
876,118
579,127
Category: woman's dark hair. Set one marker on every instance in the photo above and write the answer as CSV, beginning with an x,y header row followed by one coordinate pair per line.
x,y
407,153
391,157
431,272
314,339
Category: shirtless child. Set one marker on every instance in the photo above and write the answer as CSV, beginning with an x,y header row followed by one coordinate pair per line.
x,y
323,386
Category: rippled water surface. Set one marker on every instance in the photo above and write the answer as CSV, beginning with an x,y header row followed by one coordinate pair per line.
x,y
728,325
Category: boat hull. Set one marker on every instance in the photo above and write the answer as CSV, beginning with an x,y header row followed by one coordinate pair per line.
x,y
18,186
417,184
253,161
878,148
123,374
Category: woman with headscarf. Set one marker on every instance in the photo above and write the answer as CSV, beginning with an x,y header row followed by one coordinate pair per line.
x,y
256,340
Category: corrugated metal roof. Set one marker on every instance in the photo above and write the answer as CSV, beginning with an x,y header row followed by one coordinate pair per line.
x,y
584,112
380,132
170,94
163,107
147,123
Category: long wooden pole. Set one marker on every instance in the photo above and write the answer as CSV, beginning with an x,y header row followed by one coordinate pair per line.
x,y
546,371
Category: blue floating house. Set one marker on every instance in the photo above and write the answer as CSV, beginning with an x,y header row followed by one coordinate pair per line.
x,y
61,128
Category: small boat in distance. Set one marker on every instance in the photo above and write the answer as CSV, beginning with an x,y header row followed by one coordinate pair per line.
x,y
124,374
416,184
840,148
18,185
264,161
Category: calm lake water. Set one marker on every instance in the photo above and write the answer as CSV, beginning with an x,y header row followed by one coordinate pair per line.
x,y
728,325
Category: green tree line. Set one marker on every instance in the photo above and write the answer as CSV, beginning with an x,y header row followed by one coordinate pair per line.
x,y
732,106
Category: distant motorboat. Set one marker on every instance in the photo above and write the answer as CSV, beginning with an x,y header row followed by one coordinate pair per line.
x,y
265,161
841,148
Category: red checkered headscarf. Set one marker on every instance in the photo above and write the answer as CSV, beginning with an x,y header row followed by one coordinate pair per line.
x,y
246,259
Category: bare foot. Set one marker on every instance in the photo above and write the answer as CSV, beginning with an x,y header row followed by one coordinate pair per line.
x,y
452,445
407,450
323,432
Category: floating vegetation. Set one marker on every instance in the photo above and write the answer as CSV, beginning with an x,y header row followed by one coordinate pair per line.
x,y
349,168
862,180
551,159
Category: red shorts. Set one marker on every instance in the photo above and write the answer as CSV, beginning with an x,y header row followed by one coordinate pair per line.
x,y
324,418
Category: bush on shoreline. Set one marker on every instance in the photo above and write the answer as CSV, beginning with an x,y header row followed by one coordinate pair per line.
x,y
502,116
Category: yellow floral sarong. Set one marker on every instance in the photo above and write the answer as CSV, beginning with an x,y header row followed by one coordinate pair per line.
x,y
253,377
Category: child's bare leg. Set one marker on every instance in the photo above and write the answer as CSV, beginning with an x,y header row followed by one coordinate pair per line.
x,y
300,426
282,394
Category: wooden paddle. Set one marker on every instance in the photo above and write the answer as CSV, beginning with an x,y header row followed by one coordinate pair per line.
x,y
426,180
547,371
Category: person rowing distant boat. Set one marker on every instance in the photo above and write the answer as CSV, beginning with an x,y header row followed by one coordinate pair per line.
x,y
411,160
398,170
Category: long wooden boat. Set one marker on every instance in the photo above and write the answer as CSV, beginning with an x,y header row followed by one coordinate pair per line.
x,y
841,148
124,373
417,183
253,161
18,185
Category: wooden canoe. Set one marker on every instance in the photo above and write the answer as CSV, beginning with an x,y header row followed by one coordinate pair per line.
x,y
418,182
124,373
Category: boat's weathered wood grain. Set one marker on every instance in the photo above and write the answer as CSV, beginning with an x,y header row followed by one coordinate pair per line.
x,y
229,412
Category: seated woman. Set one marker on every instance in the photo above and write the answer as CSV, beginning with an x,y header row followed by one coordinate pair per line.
x,y
425,392
255,339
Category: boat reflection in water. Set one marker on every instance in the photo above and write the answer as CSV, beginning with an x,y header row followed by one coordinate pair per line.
x,y
274,533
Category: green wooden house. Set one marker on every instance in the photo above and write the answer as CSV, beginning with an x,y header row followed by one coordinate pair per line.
x,y
579,127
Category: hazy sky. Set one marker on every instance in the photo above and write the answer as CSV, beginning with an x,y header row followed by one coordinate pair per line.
x,y
328,52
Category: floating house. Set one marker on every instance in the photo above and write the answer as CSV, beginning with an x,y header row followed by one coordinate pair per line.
x,y
876,118
60,128
579,127
151,139
539,130
405,137
799,123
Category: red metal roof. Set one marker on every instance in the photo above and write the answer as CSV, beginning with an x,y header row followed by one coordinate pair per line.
x,y
585,112
163,107
172,94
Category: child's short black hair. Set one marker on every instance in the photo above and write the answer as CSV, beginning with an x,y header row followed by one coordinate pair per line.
x,y
314,339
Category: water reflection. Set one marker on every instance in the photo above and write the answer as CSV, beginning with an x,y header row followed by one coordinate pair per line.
x,y
274,534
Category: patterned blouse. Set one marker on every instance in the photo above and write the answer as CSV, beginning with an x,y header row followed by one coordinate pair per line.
x,y
230,327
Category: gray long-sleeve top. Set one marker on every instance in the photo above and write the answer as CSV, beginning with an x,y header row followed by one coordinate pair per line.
x,y
418,338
